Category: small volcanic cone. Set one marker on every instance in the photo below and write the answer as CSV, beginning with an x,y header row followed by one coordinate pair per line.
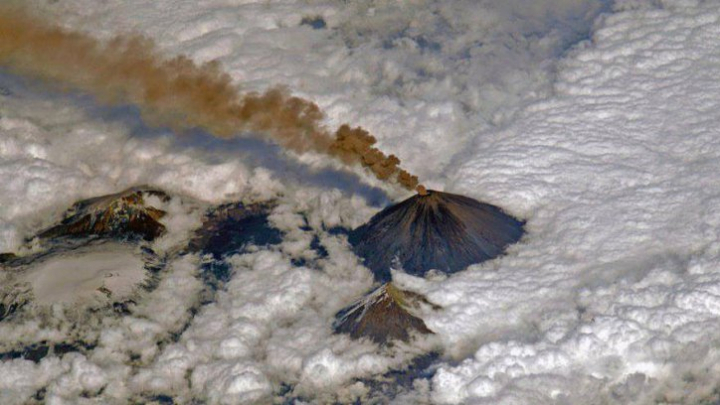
x,y
382,315
124,215
434,230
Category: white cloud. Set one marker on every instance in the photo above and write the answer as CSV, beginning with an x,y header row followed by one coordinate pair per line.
x,y
609,153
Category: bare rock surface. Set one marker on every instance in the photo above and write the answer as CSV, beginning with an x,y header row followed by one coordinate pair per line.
x,y
126,215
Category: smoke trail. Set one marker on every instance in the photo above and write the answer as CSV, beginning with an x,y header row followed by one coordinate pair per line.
x,y
179,94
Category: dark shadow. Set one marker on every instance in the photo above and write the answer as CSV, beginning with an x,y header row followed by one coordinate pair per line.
x,y
316,22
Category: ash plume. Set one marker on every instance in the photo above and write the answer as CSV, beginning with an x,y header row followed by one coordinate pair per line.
x,y
179,94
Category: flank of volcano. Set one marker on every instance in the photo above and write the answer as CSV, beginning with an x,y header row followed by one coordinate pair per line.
x,y
123,215
434,230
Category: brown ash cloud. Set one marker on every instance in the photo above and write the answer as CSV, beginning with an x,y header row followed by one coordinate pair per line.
x,y
178,93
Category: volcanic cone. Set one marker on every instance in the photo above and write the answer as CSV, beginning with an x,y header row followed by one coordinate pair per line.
x,y
382,315
434,230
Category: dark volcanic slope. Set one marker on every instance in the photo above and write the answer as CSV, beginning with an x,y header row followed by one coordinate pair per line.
x,y
228,228
121,215
438,230
381,316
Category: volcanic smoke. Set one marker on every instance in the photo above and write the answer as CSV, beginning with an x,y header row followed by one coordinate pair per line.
x,y
179,94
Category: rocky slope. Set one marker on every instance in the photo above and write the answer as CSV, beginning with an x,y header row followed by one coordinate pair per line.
x,y
437,230
383,315
123,215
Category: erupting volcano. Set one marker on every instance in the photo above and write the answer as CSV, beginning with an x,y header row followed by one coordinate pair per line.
x,y
434,230
99,262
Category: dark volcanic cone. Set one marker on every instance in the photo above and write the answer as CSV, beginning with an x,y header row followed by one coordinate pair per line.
x,y
123,215
381,316
434,230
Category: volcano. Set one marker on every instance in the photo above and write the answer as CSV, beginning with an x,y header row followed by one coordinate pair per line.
x,y
229,228
383,315
126,214
434,230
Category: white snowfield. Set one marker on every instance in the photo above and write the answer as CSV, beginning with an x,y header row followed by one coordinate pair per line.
x,y
609,149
